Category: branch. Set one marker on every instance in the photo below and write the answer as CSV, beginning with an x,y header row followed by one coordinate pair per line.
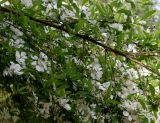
x,y
139,54
62,27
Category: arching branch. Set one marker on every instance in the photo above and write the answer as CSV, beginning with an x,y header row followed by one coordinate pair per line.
x,y
62,27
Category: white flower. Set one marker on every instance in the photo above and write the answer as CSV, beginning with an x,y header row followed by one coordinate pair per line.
x,y
7,72
157,90
132,19
43,56
34,63
16,68
67,107
45,109
67,13
5,4
77,61
66,35
96,75
54,4
131,85
16,31
105,35
106,84
93,114
158,116
86,11
46,29
125,113
131,73
16,42
92,22
129,88
41,64
148,30
129,118
130,105
93,106
21,57
144,72
117,26
142,22
130,48
111,97
121,66
102,88
64,104
49,7
63,101
27,3
34,57
39,68
96,70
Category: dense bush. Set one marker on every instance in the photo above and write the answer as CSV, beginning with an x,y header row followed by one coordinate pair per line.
x,y
84,61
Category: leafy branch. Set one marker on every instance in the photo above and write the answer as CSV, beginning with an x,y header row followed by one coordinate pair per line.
x,y
62,27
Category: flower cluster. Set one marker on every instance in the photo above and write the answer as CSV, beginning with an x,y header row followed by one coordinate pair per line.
x,y
41,63
96,70
129,88
13,69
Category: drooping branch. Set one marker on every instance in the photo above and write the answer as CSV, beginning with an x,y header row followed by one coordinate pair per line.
x,y
62,27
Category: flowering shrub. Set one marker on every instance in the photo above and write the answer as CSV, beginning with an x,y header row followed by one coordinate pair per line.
x,y
81,61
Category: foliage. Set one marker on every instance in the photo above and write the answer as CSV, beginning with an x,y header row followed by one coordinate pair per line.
x,y
85,61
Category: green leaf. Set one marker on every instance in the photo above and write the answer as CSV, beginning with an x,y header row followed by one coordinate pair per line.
x,y
84,2
152,121
79,25
142,102
152,89
108,10
59,3
132,3
149,14
61,91
4,95
74,6
144,120
127,12
100,8
120,17
108,92
114,119
24,20
3,1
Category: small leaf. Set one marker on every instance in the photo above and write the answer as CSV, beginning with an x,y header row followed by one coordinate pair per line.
x,y
59,3
132,3
108,92
100,7
3,1
24,20
152,89
142,102
120,17
149,14
84,2
144,120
